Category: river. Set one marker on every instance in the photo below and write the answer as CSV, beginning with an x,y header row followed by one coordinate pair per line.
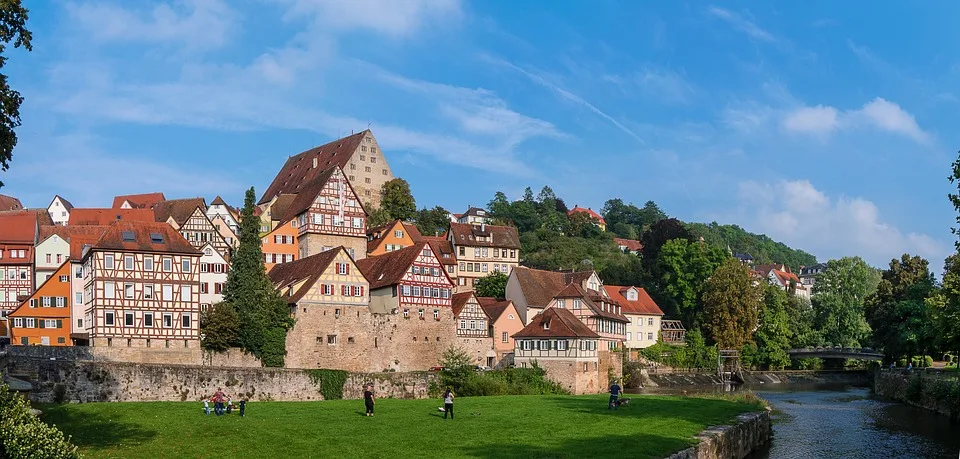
x,y
832,421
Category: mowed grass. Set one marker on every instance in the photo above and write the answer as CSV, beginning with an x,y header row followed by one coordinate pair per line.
x,y
485,427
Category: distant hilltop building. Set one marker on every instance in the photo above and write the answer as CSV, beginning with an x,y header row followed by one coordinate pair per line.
x,y
808,274
473,216
601,223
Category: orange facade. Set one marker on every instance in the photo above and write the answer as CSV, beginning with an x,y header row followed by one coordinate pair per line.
x,y
44,319
280,245
391,237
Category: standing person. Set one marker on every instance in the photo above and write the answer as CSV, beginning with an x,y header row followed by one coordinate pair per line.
x,y
614,396
368,399
243,405
448,403
218,402
206,406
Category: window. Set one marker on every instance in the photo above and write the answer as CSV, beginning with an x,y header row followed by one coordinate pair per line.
x,y
503,337
128,290
64,278
148,292
513,254
405,291
78,298
109,290
148,319
406,313
416,270
185,266
650,321
77,272
18,322
420,313
331,339
473,324
384,172
576,303
128,319
167,320
416,290
436,314
561,345
544,345
108,261
168,265
49,258
186,293
148,263
167,293
185,321
343,268
107,318
128,262
629,336
650,336
398,234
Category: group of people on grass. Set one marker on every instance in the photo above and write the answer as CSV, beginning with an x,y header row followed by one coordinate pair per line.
x,y
222,404
369,401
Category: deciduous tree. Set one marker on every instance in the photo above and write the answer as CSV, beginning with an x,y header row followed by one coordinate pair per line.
x,y
433,221
684,267
897,311
219,327
397,200
732,302
839,295
493,285
13,28
773,335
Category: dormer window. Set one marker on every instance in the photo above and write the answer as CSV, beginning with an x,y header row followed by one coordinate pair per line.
x,y
546,325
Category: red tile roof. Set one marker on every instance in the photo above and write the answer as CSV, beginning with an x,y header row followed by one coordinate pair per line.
x,y
500,236
179,209
139,201
285,275
562,324
589,212
279,209
299,169
642,305
9,203
308,193
539,286
102,217
218,201
173,242
631,244
389,268
70,231
494,307
593,300
459,301
443,250
18,228
41,216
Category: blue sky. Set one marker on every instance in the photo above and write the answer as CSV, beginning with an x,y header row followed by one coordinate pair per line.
x,y
826,125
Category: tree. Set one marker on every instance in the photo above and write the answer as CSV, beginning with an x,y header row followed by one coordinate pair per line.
x,y
624,230
650,214
684,267
219,327
732,302
264,316
945,307
581,224
897,312
432,221
397,201
773,335
655,237
493,285
838,298
13,20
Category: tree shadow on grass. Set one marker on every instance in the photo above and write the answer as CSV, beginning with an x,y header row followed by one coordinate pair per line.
x,y
95,430
638,445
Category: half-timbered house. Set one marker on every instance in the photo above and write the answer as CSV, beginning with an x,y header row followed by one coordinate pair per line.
x,y
142,287
530,288
18,232
643,313
44,318
562,345
219,208
392,236
474,328
188,216
597,311
482,249
328,214
213,276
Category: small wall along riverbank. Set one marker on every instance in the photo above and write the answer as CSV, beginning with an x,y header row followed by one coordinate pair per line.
x,y
642,379
751,432
939,393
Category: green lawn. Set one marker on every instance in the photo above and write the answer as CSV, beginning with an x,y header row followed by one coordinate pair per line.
x,y
494,427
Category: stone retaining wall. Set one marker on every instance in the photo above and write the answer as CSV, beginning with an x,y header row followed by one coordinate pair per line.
x,y
751,431
935,394
682,379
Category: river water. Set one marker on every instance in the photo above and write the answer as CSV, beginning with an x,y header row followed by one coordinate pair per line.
x,y
818,421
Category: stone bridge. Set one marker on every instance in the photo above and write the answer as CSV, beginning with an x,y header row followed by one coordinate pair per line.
x,y
836,353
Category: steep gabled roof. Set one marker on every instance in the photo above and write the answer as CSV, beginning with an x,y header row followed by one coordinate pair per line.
x,y
592,300
299,169
631,244
18,228
460,300
473,212
562,324
179,209
66,204
41,216
388,269
69,232
139,201
494,307
142,232
307,269
304,199
443,249
643,305
218,201
101,217
280,207
381,232
9,203
500,236
539,286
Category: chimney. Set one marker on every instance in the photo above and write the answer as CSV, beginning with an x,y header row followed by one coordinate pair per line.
x,y
314,162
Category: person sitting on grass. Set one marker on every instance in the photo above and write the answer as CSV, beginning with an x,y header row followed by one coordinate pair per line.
x,y
614,395
448,403
368,399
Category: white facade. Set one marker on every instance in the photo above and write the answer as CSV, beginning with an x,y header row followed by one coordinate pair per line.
x,y
49,255
59,211
213,276
77,312
642,331
214,210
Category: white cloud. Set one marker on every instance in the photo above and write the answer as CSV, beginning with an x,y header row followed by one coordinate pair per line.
x,y
878,113
197,24
815,120
391,17
656,82
800,215
742,24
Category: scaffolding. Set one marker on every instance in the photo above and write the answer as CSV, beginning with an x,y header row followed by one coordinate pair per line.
x,y
672,332
728,366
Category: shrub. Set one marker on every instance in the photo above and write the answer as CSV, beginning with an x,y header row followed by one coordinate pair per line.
x,y
330,382
927,361
22,435
59,393
914,392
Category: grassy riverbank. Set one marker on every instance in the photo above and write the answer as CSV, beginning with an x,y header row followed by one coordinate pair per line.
x,y
500,427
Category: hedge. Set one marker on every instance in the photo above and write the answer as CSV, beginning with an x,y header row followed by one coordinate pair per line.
x,y
23,435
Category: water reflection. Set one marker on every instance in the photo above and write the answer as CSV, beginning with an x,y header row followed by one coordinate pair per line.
x,y
849,424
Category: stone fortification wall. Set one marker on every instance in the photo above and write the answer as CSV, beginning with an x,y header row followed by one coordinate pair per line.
x,y
751,432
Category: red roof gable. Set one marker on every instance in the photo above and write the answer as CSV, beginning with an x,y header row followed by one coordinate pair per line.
x,y
104,217
142,241
642,305
459,301
500,236
589,212
139,201
9,203
18,228
561,323
309,268
301,169
494,307
631,244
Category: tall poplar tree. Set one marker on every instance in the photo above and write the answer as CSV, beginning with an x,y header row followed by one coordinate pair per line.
x,y
732,302
264,316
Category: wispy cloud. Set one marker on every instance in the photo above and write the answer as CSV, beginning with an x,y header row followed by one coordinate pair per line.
x,y
567,95
742,24
390,17
878,113
655,82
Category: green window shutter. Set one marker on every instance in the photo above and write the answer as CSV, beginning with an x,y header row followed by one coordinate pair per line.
x,y
42,323
59,323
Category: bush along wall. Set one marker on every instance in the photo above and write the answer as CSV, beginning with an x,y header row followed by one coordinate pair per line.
x,y
937,394
23,435
330,382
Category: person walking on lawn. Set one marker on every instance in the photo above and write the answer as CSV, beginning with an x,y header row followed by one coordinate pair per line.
x,y
448,403
368,400
615,391
218,399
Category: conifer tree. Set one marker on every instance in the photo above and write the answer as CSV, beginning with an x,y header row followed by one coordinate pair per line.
x,y
264,318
